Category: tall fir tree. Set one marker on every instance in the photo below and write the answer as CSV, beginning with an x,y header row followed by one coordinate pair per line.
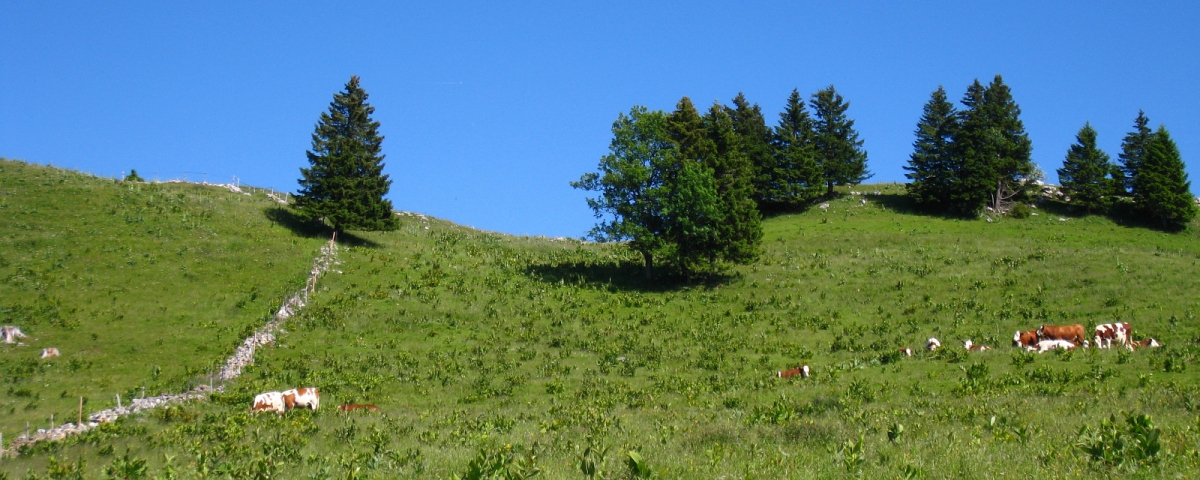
x,y
1133,148
1161,188
686,129
796,177
839,151
992,149
932,163
344,185
739,231
1086,174
755,137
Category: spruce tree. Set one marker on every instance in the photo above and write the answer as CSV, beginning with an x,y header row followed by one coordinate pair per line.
x,y
839,151
796,178
345,184
755,137
739,229
1133,149
1086,175
1161,189
992,149
932,163
686,129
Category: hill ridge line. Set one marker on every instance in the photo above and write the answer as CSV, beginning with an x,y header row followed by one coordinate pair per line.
x,y
242,357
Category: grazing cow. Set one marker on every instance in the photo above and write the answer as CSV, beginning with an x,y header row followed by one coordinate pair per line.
x,y
975,348
1070,333
269,402
932,344
906,352
304,397
49,352
1046,345
11,334
1149,342
1109,332
1025,339
350,407
802,371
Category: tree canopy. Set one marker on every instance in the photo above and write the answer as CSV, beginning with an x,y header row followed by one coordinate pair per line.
x,y
1086,174
345,184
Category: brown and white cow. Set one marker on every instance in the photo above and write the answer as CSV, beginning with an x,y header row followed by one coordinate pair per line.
x,y
1070,333
1025,339
802,371
50,352
932,344
11,334
269,402
350,407
304,397
1107,333
1149,342
906,352
975,348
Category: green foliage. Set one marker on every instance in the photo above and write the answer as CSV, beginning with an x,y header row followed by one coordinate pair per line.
x,y
1133,150
638,468
1161,188
932,165
127,468
133,177
345,184
1114,443
992,150
839,151
1086,174
794,177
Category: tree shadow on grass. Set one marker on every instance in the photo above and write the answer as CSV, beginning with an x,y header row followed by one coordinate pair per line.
x,y
307,228
621,277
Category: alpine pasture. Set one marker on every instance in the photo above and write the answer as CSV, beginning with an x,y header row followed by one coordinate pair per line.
x,y
492,355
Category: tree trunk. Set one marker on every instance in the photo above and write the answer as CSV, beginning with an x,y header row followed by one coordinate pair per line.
x,y
829,192
649,267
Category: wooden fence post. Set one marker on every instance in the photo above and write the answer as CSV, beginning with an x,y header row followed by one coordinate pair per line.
x,y
81,411
118,400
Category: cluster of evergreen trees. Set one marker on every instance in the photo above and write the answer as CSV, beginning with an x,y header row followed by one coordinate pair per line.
x,y
1151,175
689,188
980,157
966,160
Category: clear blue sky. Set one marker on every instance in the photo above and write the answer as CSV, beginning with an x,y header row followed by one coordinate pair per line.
x,y
490,109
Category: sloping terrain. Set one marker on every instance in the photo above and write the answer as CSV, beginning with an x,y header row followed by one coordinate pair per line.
x,y
141,287
488,352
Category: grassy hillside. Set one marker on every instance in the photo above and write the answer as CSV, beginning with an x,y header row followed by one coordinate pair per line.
x,y
139,286
485,350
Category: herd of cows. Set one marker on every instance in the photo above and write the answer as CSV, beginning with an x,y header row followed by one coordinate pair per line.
x,y
1040,340
281,402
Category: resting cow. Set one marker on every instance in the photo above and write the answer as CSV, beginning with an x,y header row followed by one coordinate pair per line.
x,y
1025,339
49,352
906,352
932,344
975,348
1149,342
269,402
11,334
304,397
802,371
1107,333
1070,333
1046,345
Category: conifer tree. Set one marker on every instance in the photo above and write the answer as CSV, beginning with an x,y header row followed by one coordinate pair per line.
x,y
992,149
796,177
1086,175
932,163
686,129
1133,148
1161,189
839,151
739,229
755,137
345,184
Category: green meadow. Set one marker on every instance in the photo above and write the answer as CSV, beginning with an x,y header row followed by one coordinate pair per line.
x,y
495,356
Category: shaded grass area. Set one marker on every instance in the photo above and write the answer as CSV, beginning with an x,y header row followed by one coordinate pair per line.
x,y
141,287
483,349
